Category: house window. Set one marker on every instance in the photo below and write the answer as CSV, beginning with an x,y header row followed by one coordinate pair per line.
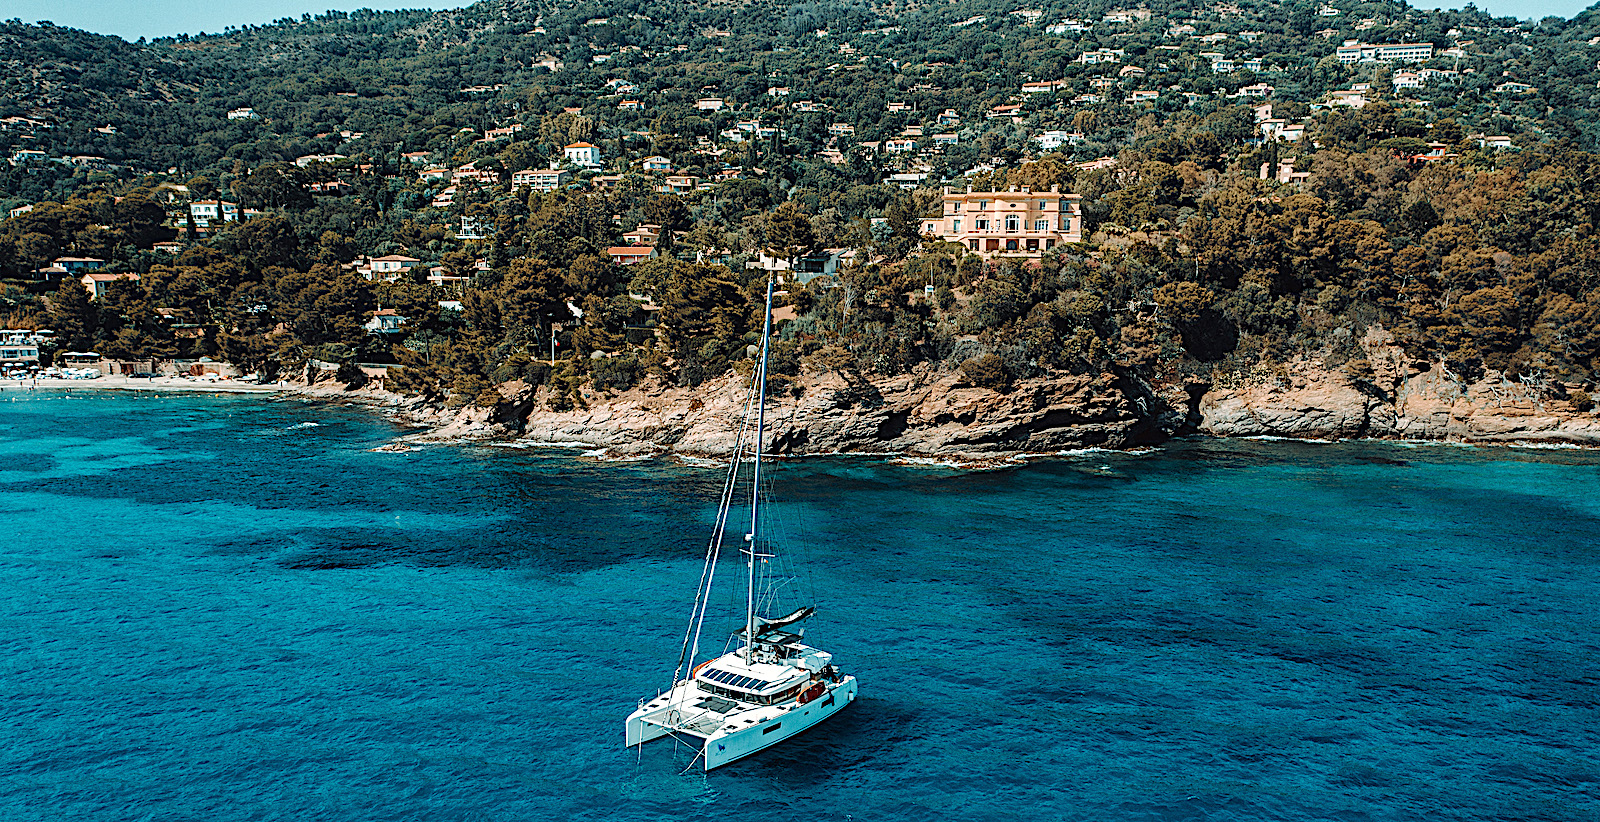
x,y
955,226
974,244
1033,245
1041,205
1041,225
1011,223
983,205
1011,245
983,225
1049,244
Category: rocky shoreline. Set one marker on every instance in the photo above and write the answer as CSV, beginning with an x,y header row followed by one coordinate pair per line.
x,y
938,415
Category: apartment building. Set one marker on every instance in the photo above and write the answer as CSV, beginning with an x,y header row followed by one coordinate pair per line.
x,y
1354,51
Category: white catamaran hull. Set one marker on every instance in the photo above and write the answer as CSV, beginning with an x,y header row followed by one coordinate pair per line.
x,y
723,738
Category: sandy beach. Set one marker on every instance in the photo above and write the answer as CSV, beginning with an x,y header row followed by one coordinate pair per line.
x,y
221,386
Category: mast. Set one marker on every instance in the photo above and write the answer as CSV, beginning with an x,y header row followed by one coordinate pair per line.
x,y
755,476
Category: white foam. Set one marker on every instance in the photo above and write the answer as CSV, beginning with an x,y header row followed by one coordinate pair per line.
x,y
583,446
305,425
930,462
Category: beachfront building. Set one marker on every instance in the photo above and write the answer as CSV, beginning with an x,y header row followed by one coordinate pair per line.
x,y
1014,222
19,348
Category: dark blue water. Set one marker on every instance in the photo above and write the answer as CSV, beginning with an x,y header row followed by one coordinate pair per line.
x,y
212,611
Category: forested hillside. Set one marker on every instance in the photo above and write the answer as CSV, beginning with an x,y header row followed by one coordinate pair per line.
x,y
1449,199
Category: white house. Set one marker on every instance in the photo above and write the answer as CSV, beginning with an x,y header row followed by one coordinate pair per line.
x,y
804,268
391,266
384,321
1053,140
1101,55
204,211
582,154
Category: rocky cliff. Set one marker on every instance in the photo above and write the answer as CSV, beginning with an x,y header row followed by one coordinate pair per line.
x,y
939,414
926,413
1392,399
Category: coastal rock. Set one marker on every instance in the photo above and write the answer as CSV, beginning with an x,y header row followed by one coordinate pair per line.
x,y
927,413
938,414
1307,400
1319,407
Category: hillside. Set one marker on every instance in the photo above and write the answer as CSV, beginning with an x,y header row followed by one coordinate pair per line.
x,y
1250,184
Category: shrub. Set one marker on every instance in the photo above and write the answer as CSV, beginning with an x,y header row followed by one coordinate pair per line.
x,y
615,373
351,375
988,371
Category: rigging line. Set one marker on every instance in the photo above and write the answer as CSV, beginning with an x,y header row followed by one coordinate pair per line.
x,y
786,524
713,554
713,551
708,570
692,760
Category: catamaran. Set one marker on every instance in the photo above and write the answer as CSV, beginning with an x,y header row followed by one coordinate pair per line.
x,y
770,686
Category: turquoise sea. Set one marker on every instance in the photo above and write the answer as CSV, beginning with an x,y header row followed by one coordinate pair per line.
x,y
229,608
